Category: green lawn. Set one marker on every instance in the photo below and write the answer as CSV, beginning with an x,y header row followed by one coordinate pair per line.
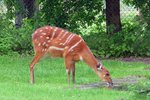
x,y
51,80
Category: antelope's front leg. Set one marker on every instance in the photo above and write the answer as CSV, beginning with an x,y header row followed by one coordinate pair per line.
x,y
68,63
73,73
36,58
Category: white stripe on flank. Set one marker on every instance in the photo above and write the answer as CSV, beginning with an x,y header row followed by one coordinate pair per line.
x,y
44,43
55,48
60,33
74,45
63,35
54,33
68,38
71,38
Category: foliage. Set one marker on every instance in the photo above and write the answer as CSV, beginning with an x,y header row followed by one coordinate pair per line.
x,y
67,13
15,40
61,13
13,7
144,9
81,17
22,37
133,40
5,36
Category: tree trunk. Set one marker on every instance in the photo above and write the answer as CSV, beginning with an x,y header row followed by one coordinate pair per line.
x,y
19,13
113,23
30,7
24,8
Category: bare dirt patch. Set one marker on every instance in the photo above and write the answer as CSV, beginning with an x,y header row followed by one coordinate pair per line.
x,y
117,83
136,59
120,82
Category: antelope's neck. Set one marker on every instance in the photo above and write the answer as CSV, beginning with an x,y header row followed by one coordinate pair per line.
x,y
89,58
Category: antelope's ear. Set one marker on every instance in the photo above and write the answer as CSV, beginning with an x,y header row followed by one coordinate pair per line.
x,y
99,67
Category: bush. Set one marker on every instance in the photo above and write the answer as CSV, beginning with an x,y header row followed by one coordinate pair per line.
x,y
15,40
22,38
133,40
6,40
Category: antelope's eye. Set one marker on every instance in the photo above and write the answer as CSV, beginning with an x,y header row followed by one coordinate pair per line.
x,y
107,74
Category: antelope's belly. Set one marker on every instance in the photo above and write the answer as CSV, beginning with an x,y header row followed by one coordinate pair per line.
x,y
55,52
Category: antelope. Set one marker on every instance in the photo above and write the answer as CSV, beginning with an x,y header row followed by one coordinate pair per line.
x,y
58,42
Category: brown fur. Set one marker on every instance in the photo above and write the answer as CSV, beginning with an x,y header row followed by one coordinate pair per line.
x,y
71,50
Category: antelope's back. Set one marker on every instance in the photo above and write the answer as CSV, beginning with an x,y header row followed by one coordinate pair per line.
x,y
47,36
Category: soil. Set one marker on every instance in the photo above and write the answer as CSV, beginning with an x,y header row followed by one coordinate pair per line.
x,y
136,59
118,84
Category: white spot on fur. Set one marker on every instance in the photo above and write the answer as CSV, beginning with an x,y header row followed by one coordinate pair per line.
x,y
35,40
60,43
79,36
81,58
46,28
47,38
35,32
44,33
66,47
44,43
39,44
41,36
42,50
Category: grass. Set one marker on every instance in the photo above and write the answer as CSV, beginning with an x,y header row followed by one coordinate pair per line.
x,y
51,80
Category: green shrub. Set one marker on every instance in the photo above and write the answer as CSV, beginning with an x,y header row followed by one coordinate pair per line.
x,y
133,40
15,40
6,40
22,38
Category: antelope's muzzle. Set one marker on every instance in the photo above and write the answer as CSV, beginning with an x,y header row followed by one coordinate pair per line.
x,y
110,84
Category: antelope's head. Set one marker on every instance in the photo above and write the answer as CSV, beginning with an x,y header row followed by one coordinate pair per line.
x,y
105,75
